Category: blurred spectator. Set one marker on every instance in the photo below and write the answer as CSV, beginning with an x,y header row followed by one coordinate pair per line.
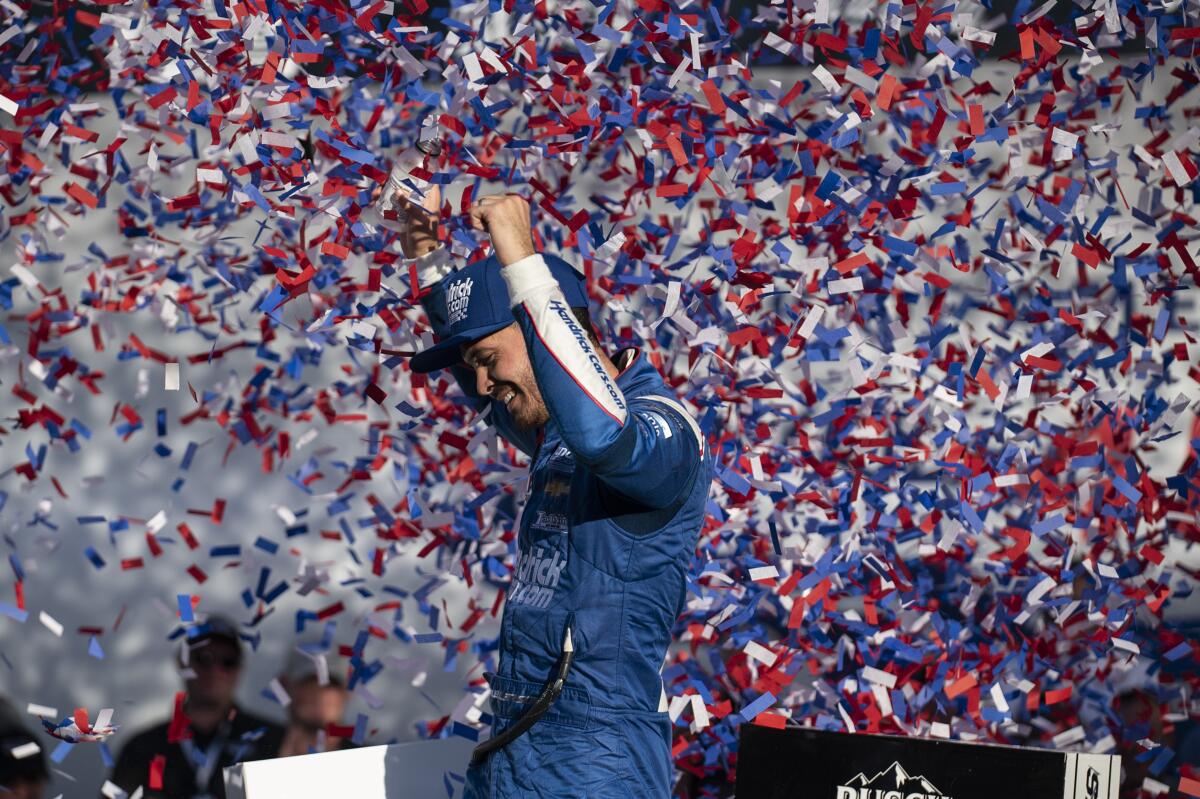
x,y
318,697
183,758
1141,718
23,773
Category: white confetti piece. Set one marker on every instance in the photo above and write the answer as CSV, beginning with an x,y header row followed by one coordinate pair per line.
x,y
972,34
680,71
763,572
24,750
826,79
1176,169
699,714
1063,137
997,694
760,653
811,320
1143,154
279,692
157,522
103,719
50,623
471,65
882,699
24,275
1024,384
493,60
1069,737
47,136
274,138
1128,646
846,719
777,42
879,677
1044,587
111,790
845,285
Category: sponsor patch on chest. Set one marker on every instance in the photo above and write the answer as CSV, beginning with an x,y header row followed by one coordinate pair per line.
x,y
550,521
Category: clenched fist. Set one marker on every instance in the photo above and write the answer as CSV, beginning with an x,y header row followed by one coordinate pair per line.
x,y
505,217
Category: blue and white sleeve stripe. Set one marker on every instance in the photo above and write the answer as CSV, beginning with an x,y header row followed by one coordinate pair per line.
x,y
584,401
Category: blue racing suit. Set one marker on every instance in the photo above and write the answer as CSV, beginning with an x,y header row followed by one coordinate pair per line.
x,y
617,492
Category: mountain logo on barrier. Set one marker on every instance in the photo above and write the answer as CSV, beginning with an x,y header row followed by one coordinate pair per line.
x,y
894,782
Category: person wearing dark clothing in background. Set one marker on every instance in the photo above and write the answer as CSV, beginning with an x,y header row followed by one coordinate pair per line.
x,y
184,757
23,773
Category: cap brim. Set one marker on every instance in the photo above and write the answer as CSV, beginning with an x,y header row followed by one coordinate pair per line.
x,y
447,352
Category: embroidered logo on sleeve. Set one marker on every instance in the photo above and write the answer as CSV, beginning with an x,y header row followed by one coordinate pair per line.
x,y
660,424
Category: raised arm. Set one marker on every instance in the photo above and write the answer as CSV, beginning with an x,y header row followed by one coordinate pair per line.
x,y
647,450
433,263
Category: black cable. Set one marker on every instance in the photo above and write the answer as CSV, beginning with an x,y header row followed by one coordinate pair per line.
x,y
537,709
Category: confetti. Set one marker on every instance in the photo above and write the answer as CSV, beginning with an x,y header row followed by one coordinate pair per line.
x,y
77,729
24,750
50,623
926,293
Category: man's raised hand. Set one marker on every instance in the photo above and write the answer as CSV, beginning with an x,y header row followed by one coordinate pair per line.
x,y
506,219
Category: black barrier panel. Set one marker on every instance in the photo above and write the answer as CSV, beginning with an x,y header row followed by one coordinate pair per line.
x,y
813,764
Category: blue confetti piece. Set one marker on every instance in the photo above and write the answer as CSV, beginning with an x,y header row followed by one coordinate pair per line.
x,y
188,454
1129,492
94,557
947,188
61,751
1049,524
750,711
13,612
971,516
106,755
266,545
360,729
186,610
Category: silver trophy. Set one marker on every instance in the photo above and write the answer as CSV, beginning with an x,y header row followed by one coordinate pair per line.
x,y
402,187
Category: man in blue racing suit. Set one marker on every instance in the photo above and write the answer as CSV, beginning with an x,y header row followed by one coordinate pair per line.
x,y
618,486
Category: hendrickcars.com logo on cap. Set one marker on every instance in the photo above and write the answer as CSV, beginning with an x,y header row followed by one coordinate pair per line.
x,y
891,783
458,298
